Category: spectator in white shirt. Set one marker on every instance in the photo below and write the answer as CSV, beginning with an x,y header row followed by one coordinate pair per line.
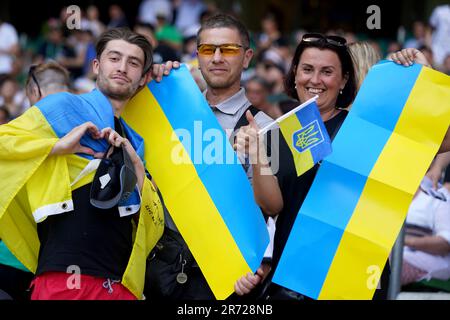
x,y
9,47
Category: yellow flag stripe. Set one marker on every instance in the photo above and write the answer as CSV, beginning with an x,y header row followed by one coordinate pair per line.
x,y
389,189
303,161
193,203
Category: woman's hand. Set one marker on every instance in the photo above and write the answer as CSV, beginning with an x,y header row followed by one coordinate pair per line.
x,y
408,56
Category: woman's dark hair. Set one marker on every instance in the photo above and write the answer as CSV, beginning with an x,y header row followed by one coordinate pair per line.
x,y
129,36
349,91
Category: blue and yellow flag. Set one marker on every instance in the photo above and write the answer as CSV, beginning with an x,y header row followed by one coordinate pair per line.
x,y
353,213
201,179
35,185
306,135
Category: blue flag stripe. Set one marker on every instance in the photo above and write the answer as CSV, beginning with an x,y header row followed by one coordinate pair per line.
x,y
343,201
309,114
375,109
345,152
216,178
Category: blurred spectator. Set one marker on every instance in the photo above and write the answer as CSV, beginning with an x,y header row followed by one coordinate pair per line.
x,y
187,14
44,79
271,32
94,24
258,90
149,9
189,53
440,21
272,69
4,115
82,51
12,97
9,47
446,65
421,34
54,46
427,241
364,56
393,46
161,51
428,53
168,34
117,17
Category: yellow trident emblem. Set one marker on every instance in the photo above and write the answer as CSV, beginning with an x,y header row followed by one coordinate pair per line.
x,y
307,137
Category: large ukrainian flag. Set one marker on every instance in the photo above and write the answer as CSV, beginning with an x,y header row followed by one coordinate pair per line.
x,y
203,184
356,206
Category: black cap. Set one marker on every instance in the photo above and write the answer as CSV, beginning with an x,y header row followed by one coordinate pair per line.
x,y
114,180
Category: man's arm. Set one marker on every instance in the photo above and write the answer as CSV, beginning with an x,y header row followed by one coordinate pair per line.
x,y
439,164
430,244
445,145
266,190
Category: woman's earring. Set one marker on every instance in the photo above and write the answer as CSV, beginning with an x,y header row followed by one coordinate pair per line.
x,y
295,87
340,92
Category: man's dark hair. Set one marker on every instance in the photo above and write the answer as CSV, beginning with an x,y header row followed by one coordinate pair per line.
x,y
225,21
129,36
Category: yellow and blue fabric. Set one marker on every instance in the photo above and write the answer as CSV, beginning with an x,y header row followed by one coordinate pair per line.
x,y
347,225
306,136
211,202
35,185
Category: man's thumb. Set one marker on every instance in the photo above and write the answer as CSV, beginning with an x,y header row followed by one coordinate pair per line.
x,y
250,119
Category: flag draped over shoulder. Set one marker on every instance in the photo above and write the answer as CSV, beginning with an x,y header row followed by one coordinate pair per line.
x,y
352,215
203,184
306,136
35,185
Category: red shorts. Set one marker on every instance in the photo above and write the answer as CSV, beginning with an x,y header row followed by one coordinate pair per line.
x,y
64,286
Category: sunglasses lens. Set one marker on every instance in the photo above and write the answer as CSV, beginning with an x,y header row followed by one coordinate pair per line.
x,y
206,49
229,50
333,40
225,49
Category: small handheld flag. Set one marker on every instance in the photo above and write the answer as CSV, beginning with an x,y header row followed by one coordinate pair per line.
x,y
306,135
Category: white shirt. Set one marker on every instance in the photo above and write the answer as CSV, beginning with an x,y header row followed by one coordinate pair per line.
x,y
8,38
440,20
427,211
149,9
188,14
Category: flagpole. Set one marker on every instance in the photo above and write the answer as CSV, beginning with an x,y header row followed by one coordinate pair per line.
x,y
284,116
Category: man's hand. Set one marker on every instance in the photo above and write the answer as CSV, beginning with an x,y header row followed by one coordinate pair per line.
x,y
408,56
70,143
249,143
248,282
118,141
160,70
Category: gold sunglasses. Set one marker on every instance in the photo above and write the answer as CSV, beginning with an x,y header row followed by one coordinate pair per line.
x,y
226,49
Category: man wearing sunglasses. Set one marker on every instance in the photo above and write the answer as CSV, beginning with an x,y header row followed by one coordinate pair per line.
x,y
223,49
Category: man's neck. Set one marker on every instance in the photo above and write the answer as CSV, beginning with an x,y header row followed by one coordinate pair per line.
x,y
118,106
216,96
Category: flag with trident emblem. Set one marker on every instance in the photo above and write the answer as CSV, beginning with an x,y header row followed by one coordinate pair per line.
x,y
306,135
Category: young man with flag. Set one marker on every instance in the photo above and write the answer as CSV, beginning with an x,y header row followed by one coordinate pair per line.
x,y
49,161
